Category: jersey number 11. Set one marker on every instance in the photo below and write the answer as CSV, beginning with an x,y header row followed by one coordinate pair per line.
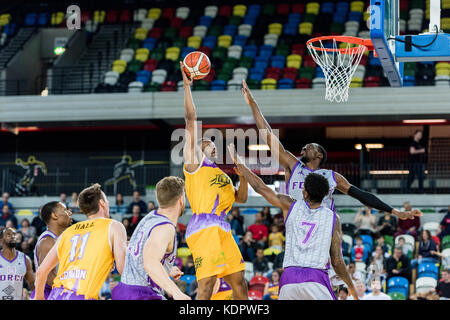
x,y
73,249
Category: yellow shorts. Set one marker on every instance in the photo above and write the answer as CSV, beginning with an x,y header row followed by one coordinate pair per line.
x,y
215,253
223,295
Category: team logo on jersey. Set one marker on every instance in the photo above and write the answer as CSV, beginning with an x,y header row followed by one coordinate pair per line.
x,y
221,179
219,261
8,290
198,262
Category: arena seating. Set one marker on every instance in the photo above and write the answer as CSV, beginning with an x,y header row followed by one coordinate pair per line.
x,y
398,284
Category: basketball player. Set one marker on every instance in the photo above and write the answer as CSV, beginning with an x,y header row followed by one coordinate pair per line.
x,y
312,157
313,237
15,266
222,291
85,251
153,248
211,195
57,218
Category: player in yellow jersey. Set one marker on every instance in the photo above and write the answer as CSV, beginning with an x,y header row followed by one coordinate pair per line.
x,y
211,195
86,252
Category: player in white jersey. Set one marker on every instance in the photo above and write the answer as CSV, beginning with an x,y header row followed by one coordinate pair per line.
x,y
15,266
57,218
313,156
313,238
153,248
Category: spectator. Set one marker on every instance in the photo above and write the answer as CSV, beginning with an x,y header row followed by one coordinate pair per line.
x,y
260,263
365,222
408,226
236,221
276,238
266,216
443,286
126,224
189,268
342,293
376,293
271,288
40,225
278,219
119,206
416,161
398,265
8,216
259,230
445,259
401,243
137,201
359,252
387,224
28,232
151,206
444,226
135,218
278,262
426,246
25,247
63,199
376,266
360,288
384,247
5,199
73,205
354,274
248,247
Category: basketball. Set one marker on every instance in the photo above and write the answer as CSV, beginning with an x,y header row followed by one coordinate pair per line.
x,y
197,65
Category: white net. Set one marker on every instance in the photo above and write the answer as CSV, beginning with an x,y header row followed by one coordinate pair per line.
x,y
338,61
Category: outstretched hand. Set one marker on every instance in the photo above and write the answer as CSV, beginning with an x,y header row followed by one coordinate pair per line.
x,y
186,80
407,214
247,93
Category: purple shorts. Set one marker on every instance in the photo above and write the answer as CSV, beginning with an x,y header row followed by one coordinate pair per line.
x,y
129,292
47,290
65,294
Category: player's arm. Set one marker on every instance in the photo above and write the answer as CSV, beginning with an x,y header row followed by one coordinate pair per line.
x,y
154,249
281,201
337,261
29,276
241,193
191,152
118,238
371,200
44,248
285,158
49,263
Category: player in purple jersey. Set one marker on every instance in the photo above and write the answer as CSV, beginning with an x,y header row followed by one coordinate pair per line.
x,y
57,218
313,237
312,157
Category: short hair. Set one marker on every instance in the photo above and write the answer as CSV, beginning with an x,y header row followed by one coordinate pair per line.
x,y
358,238
446,270
398,248
89,198
46,211
317,187
169,190
324,154
342,288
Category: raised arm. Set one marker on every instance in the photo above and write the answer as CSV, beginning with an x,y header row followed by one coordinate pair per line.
x,y
192,154
371,200
241,194
337,261
285,158
118,238
281,201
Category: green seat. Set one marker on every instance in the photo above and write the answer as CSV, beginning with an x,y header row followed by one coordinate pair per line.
x,y
309,73
201,85
179,42
445,242
152,87
157,53
220,53
134,44
253,84
282,50
397,296
223,76
337,27
134,65
389,240
246,62
235,20
229,63
268,9
310,18
428,210
171,32
215,30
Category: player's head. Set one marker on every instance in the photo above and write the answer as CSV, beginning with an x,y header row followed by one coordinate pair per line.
x,y
170,193
208,148
313,152
55,212
8,238
316,187
93,200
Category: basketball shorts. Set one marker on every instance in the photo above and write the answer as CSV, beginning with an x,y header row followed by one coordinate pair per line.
x,y
215,253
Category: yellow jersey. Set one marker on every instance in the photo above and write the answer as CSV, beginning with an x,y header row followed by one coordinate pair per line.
x,y
85,257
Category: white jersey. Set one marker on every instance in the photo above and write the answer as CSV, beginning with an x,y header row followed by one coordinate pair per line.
x,y
12,273
308,236
45,234
294,186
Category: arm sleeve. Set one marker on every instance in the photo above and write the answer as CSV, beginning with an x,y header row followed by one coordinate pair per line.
x,y
368,199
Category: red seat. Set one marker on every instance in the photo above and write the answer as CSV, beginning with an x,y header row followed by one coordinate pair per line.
x,y
273,75
283,9
298,8
168,13
176,22
303,83
150,64
298,48
308,61
185,32
112,16
273,70
85,16
258,280
225,11
205,50
169,86
210,77
125,16
155,32
255,295
364,60
290,73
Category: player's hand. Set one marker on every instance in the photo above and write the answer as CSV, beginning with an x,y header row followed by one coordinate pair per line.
x,y
236,159
239,173
176,273
247,94
181,296
186,80
352,292
407,214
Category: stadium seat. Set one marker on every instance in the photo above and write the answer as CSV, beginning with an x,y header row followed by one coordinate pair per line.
x,y
142,54
111,78
24,212
119,66
172,53
427,269
409,241
285,83
366,239
294,61
347,239
248,273
268,84
445,244
154,13
224,41
424,284
218,85
183,253
135,86
188,279
432,227
397,296
398,284
143,76
258,283
245,30
255,295
211,11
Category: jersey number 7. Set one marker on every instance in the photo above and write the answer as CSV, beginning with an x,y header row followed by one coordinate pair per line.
x,y
311,226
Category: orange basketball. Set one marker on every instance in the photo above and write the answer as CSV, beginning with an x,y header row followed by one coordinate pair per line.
x,y
196,65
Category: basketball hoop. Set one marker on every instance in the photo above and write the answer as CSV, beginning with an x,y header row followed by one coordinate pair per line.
x,y
338,56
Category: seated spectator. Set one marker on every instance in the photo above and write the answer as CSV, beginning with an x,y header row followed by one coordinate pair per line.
x,y
408,226
401,243
271,288
384,247
73,205
236,222
260,263
426,246
443,286
342,293
276,238
377,263
5,200
387,224
136,217
126,224
398,265
365,222
266,216
376,294
354,274
28,232
278,261
248,247
137,202
8,216
444,226
278,219
360,288
119,206
259,230
189,268
63,199
151,206
359,252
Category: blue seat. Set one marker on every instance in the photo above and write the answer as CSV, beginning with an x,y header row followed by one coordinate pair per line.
x,y
339,17
31,19
290,29
354,16
261,63
327,7
230,30
149,43
278,62
250,51
185,51
250,20
43,19
240,40
398,284
218,85
265,51
428,269
342,6
285,83
188,278
143,76
256,74
409,81
210,41
294,17
254,9
205,21
9,29
366,239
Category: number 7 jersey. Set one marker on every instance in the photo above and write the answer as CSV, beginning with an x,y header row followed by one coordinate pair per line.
x,y
85,257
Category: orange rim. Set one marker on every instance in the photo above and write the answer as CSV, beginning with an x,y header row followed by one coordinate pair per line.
x,y
367,43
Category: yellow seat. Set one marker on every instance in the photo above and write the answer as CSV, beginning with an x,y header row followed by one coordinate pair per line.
x,y
5,19
313,8
154,13
239,10
57,18
140,33
99,16
305,28
173,53
119,66
194,42
275,28
268,84
25,212
294,61
183,253
443,72
142,54
357,6
366,15
443,65
224,41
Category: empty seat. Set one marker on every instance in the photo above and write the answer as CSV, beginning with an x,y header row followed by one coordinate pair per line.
x,y
218,85
194,42
425,284
154,13
182,12
271,40
142,54
143,76
235,52
139,14
119,66
135,86
245,30
200,31
294,61
224,41
111,77
173,53
211,11
127,54
268,84
398,284
147,23
427,269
